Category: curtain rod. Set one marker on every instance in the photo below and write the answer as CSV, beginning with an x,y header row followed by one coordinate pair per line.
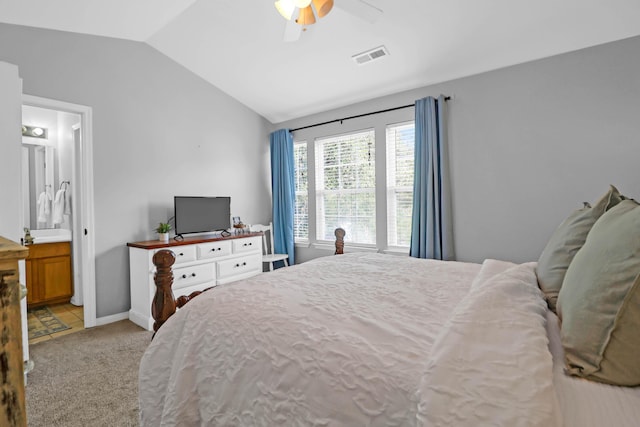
x,y
446,98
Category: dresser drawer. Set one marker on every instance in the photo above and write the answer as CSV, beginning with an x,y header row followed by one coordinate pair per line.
x,y
214,249
249,244
187,290
183,253
240,265
187,276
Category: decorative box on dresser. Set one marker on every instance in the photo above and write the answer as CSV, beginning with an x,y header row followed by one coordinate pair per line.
x,y
200,264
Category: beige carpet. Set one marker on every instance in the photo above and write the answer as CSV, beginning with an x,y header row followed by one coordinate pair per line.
x,y
88,378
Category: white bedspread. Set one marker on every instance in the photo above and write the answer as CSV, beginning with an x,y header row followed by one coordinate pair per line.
x,y
338,341
357,340
491,364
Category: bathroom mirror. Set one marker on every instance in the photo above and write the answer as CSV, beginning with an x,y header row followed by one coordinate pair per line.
x,y
47,167
39,184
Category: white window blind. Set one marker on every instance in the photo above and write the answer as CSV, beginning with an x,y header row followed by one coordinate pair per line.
x,y
345,187
400,163
301,213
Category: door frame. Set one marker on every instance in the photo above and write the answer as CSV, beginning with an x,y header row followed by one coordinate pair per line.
x,y
82,194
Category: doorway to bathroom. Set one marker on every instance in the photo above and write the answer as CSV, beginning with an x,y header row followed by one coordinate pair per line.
x,y
58,191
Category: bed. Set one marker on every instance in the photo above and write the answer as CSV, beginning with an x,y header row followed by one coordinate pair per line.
x,y
378,340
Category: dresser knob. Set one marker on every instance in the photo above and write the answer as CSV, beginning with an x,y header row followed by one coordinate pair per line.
x,y
184,276
193,274
181,254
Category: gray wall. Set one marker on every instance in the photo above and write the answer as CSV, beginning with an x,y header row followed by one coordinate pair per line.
x,y
159,131
527,144
10,154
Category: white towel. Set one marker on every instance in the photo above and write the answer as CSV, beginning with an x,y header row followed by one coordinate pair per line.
x,y
58,207
67,202
43,207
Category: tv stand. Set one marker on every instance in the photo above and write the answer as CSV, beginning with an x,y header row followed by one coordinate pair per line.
x,y
201,262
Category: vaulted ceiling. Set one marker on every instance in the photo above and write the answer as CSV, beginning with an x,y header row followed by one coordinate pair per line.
x,y
238,46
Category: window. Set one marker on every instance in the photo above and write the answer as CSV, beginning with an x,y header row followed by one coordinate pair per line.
x,y
345,186
301,213
400,161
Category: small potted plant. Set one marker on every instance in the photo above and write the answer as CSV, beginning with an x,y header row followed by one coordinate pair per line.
x,y
163,229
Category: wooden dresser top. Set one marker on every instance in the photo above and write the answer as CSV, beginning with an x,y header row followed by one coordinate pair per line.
x,y
158,244
11,250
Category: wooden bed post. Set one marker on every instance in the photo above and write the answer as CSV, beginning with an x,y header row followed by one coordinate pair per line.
x,y
339,241
164,305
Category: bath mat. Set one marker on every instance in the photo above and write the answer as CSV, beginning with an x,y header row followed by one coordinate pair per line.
x,y
43,322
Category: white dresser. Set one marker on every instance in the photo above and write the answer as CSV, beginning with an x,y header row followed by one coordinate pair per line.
x,y
200,264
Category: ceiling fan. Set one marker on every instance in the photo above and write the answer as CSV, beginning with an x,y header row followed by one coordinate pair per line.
x,y
301,13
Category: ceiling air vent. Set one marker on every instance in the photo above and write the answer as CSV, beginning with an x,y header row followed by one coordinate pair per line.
x,y
370,55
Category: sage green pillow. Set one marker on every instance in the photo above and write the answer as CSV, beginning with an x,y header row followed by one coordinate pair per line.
x,y
565,242
599,302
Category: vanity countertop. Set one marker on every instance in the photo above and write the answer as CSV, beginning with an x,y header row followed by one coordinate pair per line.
x,y
51,235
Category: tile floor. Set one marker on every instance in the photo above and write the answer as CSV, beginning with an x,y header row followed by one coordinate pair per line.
x,y
70,314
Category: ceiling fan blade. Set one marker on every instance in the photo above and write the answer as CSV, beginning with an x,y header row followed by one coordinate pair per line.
x,y
360,9
306,16
292,31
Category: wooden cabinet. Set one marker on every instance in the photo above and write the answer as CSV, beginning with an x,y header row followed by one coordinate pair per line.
x,y
12,403
200,263
49,279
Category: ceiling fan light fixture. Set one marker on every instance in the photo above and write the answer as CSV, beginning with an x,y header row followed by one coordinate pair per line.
x,y
322,7
304,11
286,8
306,16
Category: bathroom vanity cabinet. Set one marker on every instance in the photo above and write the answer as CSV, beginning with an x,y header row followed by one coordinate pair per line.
x,y
48,270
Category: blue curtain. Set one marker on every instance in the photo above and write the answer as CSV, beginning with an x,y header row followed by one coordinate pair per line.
x,y
283,191
431,225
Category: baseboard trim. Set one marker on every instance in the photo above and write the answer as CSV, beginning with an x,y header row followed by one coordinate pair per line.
x,y
112,318
141,320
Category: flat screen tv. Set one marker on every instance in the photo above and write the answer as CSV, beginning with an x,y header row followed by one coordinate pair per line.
x,y
201,214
